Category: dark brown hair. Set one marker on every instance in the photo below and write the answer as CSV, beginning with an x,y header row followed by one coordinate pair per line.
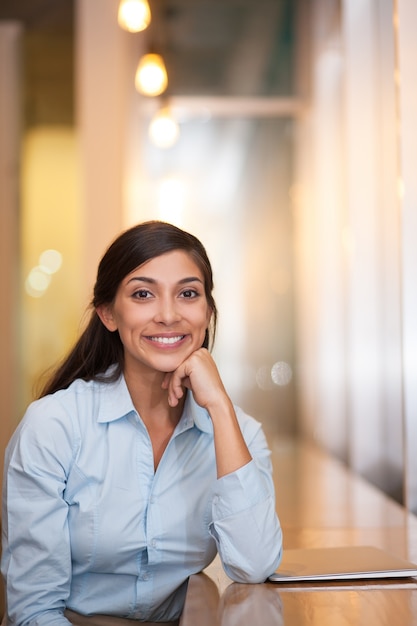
x,y
98,348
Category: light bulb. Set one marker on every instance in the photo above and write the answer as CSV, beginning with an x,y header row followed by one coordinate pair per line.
x,y
163,129
151,76
134,15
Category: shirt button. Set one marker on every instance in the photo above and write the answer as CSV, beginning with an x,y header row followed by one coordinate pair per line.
x,y
145,577
153,543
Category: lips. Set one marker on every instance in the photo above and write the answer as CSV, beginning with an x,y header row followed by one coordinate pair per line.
x,y
167,340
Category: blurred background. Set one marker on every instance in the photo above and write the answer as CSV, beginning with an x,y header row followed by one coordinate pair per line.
x,y
288,148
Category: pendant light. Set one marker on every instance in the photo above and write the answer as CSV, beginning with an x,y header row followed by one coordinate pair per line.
x,y
164,129
151,76
134,15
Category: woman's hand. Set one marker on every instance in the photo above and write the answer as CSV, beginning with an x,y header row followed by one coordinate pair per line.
x,y
200,374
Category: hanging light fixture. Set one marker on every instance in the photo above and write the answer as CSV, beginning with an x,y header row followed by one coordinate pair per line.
x,y
151,76
164,129
134,15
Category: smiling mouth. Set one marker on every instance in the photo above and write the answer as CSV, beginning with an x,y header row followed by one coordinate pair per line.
x,y
167,340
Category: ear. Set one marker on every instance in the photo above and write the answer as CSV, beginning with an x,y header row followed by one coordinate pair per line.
x,y
105,313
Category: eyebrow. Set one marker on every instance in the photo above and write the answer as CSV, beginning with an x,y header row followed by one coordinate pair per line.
x,y
152,281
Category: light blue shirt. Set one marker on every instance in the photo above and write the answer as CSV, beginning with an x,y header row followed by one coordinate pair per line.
x,y
90,526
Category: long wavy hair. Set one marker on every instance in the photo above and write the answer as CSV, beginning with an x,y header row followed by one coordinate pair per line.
x,y
97,348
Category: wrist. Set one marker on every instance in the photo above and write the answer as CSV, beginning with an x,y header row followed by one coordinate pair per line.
x,y
221,408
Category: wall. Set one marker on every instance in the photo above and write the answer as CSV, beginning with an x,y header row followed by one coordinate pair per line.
x,y
356,267
10,132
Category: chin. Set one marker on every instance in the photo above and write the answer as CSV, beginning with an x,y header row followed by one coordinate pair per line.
x,y
168,366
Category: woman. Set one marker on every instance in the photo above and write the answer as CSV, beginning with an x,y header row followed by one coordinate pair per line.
x,y
134,468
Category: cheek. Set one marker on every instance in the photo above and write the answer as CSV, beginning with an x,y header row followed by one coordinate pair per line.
x,y
203,317
126,322
204,323
198,319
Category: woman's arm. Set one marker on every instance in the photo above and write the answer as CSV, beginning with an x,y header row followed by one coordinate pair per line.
x,y
245,525
36,559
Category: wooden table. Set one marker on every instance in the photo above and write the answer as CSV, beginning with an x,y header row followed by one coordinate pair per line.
x,y
320,503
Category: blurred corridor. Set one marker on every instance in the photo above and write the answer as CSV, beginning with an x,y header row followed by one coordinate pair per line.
x,y
294,165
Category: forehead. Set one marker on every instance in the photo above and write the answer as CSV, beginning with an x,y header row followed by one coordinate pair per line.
x,y
170,267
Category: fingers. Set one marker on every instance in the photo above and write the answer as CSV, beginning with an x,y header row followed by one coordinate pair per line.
x,y
174,383
198,373
186,376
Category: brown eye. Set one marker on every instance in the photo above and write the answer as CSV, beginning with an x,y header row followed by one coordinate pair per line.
x,y
142,294
189,293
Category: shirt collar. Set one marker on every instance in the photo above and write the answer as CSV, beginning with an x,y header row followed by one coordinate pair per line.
x,y
115,403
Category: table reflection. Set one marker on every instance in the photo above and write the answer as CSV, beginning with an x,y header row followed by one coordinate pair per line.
x,y
245,603
208,603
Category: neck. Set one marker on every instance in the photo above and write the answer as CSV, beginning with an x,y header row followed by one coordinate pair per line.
x,y
150,400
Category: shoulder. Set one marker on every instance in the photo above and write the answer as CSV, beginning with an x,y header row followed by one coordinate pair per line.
x,y
64,402
55,416
82,406
252,431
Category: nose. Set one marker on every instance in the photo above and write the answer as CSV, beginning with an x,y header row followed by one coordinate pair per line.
x,y
167,312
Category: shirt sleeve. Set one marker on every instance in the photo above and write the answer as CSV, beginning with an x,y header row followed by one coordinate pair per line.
x,y
36,560
245,525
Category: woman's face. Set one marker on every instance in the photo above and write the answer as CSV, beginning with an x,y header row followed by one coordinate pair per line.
x,y
160,312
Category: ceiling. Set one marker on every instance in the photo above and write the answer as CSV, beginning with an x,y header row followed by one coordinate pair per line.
x,y
211,47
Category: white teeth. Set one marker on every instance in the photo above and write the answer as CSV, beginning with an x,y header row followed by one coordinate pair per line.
x,y
167,339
